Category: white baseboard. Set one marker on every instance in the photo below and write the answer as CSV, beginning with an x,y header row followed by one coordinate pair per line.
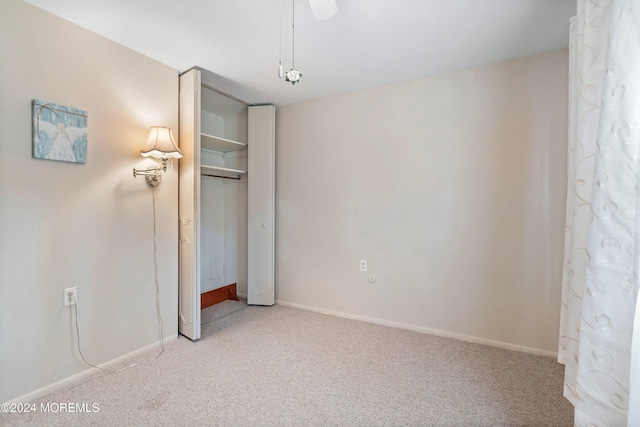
x,y
86,373
436,332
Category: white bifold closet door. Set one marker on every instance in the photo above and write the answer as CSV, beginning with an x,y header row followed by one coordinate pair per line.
x,y
189,207
261,217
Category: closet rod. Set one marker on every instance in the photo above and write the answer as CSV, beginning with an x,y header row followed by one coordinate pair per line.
x,y
220,176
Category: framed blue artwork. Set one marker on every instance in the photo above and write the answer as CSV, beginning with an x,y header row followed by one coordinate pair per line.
x,y
59,132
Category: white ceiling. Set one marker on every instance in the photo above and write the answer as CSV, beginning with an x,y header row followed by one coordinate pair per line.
x,y
367,43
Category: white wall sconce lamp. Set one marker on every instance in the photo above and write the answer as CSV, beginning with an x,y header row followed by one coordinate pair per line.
x,y
161,146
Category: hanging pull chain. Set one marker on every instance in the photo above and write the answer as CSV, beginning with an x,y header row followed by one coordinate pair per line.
x,y
293,34
280,70
293,75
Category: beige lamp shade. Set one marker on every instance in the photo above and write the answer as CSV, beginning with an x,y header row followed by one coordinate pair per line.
x,y
161,144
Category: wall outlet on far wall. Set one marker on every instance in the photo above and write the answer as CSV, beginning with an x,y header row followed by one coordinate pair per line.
x,y
70,296
363,265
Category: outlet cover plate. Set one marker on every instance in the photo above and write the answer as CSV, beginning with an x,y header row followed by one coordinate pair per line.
x,y
66,293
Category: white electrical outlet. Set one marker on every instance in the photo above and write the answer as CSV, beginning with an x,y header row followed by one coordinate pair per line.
x,y
70,296
363,265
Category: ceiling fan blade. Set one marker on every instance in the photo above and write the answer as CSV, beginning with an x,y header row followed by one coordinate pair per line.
x,y
323,9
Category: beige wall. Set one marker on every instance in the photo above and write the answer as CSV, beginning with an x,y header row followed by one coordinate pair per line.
x,y
89,226
452,187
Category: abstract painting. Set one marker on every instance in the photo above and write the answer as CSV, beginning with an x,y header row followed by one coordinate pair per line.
x,y
59,132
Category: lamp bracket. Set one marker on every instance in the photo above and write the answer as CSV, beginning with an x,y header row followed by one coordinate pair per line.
x,y
152,174
153,180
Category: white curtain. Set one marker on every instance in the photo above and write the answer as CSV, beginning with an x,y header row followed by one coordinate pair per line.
x,y
598,344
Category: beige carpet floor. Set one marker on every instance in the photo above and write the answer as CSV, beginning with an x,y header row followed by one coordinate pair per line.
x,y
278,366
220,310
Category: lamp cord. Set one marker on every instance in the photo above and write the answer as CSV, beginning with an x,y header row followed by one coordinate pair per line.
x,y
158,314
155,276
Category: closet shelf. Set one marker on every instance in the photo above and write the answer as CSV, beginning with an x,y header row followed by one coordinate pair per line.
x,y
217,143
222,172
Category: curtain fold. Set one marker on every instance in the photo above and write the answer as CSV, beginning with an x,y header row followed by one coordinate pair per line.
x,y
602,235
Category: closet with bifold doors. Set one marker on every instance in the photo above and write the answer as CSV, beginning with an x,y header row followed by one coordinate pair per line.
x,y
226,200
